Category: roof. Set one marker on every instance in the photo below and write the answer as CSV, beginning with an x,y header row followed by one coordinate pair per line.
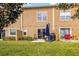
x,y
51,6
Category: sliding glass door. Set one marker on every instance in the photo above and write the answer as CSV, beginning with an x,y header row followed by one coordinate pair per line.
x,y
41,33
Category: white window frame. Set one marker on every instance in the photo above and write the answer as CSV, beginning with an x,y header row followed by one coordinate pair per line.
x,y
65,19
25,30
65,27
42,19
10,32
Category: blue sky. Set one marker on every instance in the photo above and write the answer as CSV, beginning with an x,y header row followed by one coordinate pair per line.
x,y
36,4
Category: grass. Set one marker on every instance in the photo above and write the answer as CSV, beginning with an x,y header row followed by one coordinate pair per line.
x,y
24,48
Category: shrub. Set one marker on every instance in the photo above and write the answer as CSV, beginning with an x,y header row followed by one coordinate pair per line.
x,y
28,38
9,38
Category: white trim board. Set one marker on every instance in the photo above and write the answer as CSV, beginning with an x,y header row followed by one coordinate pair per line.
x,y
9,31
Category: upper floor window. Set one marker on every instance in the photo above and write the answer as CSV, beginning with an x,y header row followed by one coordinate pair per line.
x,y
42,16
12,31
65,14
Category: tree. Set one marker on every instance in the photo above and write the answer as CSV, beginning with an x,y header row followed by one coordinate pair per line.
x,y
9,12
65,5
68,6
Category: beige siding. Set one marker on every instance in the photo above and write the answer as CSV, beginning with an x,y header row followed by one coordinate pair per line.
x,y
72,23
29,20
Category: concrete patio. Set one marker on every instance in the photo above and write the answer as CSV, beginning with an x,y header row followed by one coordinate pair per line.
x,y
39,40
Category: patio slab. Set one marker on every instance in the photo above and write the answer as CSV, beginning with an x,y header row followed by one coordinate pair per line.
x,y
39,40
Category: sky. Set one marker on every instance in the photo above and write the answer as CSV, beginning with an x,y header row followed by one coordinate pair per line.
x,y
36,4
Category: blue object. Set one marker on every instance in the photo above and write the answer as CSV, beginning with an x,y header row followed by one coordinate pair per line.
x,y
52,37
47,30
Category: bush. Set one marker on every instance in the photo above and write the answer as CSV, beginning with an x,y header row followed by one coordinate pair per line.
x,y
28,38
9,38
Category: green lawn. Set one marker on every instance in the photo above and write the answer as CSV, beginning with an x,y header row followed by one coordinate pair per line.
x,y
24,48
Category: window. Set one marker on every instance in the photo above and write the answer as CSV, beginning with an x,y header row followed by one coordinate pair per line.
x,y
64,31
65,14
24,30
24,33
12,31
42,16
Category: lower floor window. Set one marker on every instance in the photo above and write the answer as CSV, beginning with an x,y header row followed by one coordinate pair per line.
x,y
41,33
24,33
24,30
12,31
64,31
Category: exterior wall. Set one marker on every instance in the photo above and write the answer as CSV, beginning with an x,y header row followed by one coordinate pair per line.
x,y
72,23
16,26
30,22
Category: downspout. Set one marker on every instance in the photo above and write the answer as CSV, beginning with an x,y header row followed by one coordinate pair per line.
x,y
54,28
21,21
53,20
21,24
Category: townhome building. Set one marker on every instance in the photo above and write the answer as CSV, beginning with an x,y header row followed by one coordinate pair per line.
x,y
33,20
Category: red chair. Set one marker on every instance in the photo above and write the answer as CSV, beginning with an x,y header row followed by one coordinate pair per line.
x,y
67,36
